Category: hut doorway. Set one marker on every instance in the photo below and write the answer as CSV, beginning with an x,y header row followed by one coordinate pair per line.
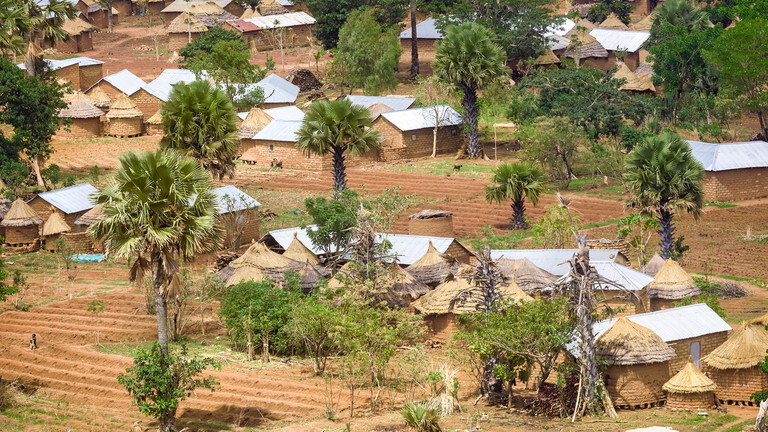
x,y
695,352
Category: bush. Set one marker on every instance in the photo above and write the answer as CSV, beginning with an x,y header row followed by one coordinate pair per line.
x,y
421,418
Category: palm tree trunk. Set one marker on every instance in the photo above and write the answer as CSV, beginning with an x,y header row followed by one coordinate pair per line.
x,y
518,214
29,57
161,305
339,174
666,232
414,43
470,116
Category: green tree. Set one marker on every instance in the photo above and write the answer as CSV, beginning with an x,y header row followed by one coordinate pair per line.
x,y
741,57
161,208
469,59
313,322
6,288
637,228
554,230
677,13
333,220
332,15
203,45
553,142
158,381
14,174
367,53
200,121
52,174
600,11
337,127
516,181
663,177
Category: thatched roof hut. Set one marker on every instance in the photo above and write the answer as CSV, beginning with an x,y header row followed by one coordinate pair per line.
x,y
633,82
690,389
299,252
613,22
433,267
525,273
155,124
586,46
124,118
21,224
733,366
547,58
75,26
79,106
406,285
99,98
55,225
254,122
584,24
642,25
258,263
91,216
308,276
455,296
210,13
671,283
250,13
271,7
652,267
186,23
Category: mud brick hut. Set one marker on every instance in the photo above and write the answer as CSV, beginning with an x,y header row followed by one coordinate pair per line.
x,y
427,34
154,124
670,285
297,251
152,95
79,72
176,8
156,7
693,331
438,223
80,33
53,228
99,15
124,7
277,142
70,202
21,225
410,133
733,171
184,29
123,82
619,40
266,33
528,277
124,119
434,267
690,390
232,204
253,123
585,50
638,364
733,366
634,83
85,117
257,264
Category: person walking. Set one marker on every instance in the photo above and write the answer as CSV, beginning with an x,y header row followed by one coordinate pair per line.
x,y
33,342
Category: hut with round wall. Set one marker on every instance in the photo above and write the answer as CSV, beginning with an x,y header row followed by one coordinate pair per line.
x,y
124,118
21,225
690,389
297,251
52,230
433,267
155,124
434,223
85,117
638,364
587,51
184,29
733,365
670,285
254,122
256,264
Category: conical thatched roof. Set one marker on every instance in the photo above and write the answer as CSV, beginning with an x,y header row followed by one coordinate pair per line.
x,y
525,273
454,296
91,216
744,348
406,285
378,109
21,214
299,252
76,26
157,118
79,107
645,82
587,46
689,380
123,108
246,273
433,267
208,7
271,7
547,58
55,225
672,283
384,290
613,22
629,343
99,98
180,24
643,25
249,13
308,276
255,121
584,23
633,82
261,257
653,265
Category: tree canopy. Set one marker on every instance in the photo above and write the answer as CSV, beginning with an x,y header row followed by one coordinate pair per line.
x,y
331,15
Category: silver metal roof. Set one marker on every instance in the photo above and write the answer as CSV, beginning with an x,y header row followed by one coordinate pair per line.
x,y
285,2
424,30
59,64
290,112
281,20
241,201
72,199
561,29
421,118
615,40
397,103
278,90
556,42
125,81
554,260
622,275
729,156
161,86
183,5
279,130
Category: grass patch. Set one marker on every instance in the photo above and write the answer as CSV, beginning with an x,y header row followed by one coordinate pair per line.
x,y
720,205
600,224
738,427
468,169
487,235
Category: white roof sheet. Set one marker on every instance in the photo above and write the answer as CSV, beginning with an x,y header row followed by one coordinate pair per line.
x,y
556,42
615,40
561,29
285,2
624,276
281,20
554,260
59,64
278,90
241,201
125,81
161,86
397,103
728,156
72,199
421,118
182,5
279,130
424,30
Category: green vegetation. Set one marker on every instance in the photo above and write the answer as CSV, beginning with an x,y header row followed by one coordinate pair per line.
x,y
516,181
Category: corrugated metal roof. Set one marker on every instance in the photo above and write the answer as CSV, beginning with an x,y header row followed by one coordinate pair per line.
x,y
397,103
424,30
615,40
278,89
420,118
285,2
729,156
59,64
241,201
279,130
161,86
561,29
624,276
183,5
272,21
290,112
125,81
554,260
557,42
72,199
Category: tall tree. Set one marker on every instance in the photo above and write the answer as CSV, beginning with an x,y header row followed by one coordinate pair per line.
x,y
600,11
200,120
678,13
516,181
663,177
740,54
160,209
469,59
331,15
678,61
337,127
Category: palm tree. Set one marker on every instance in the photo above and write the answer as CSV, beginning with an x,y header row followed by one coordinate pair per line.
x,y
337,127
160,209
200,121
468,58
516,181
663,178
681,13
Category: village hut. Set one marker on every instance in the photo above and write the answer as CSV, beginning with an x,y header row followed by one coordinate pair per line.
x,y
643,25
99,98
124,118
613,22
299,252
585,48
89,218
638,364
433,267
406,285
584,24
253,123
210,14
271,7
256,264
21,224
548,58
653,265
85,117
378,109
184,29
733,366
525,273
80,36
308,277
669,285
250,13
632,81
52,230
155,124
690,389
432,223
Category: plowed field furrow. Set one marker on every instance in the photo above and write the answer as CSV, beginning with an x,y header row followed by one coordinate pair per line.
x,y
80,318
47,329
